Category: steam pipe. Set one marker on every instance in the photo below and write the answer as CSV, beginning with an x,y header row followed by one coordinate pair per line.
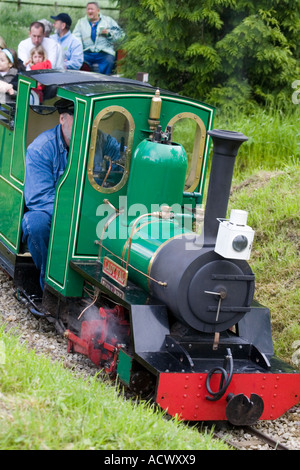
x,y
226,146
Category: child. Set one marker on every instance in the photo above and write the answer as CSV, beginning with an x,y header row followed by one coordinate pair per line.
x,y
8,76
38,60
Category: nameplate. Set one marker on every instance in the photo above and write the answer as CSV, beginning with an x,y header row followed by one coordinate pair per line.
x,y
112,288
115,271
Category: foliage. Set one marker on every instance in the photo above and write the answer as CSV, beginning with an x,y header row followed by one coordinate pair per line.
x,y
221,51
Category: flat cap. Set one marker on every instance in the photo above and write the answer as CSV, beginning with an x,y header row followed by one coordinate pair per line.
x,y
64,106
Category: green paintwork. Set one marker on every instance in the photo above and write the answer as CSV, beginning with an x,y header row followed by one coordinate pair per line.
x,y
165,167
146,243
79,212
138,105
124,367
12,172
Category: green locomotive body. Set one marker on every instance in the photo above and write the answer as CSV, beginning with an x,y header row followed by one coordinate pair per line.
x,y
115,106
130,280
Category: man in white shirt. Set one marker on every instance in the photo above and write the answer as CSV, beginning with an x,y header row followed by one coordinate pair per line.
x,y
36,38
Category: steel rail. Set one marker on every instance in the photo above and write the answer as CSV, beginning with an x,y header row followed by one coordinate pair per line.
x,y
276,445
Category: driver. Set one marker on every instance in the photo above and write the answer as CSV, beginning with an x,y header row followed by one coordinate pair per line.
x,y
46,160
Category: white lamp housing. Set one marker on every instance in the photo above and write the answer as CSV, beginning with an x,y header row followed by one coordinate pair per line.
x,y
235,237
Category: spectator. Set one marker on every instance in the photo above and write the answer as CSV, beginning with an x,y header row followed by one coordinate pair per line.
x,y
8,76
37,38
98,33
48,27
38,60
71,46
18,64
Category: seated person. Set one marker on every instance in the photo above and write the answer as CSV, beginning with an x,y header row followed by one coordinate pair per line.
x,y
8,76
106,146
46,160
107,151
37,38
48,27
37,61
71,46
98,34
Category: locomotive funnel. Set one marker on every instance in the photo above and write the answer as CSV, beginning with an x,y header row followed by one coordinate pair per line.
x,y
226,146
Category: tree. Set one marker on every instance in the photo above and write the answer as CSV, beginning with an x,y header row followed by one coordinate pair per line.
x,y
225,51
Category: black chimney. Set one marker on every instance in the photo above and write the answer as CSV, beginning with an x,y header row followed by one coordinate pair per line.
x,y
226,146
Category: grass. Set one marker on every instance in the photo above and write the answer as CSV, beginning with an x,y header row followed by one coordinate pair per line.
x,y
274,138
267,184
44,407
273,202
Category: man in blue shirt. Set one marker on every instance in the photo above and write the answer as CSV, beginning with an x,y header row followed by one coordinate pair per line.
x,y
98,34
106,145
46,160
71,46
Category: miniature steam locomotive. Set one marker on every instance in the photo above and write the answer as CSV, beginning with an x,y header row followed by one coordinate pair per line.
x,y
132,280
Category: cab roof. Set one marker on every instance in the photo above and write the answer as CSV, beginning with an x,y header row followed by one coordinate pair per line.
x,y
87,83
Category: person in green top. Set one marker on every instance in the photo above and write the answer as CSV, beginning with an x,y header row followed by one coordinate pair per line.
x,y
98,33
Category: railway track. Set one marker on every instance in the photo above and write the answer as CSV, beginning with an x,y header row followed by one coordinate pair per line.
x,y
40,336
249,438
276,445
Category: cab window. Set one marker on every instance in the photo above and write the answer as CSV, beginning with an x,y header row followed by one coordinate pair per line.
x,y
110,149
189,131
40,119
